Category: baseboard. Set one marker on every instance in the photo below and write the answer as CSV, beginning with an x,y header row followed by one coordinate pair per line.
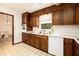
x,y
51,54
17,43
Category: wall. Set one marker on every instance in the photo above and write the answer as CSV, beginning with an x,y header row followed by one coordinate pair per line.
x,y
71,30
68,30
17,23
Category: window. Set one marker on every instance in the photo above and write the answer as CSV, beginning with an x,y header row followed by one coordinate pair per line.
x,y
45,21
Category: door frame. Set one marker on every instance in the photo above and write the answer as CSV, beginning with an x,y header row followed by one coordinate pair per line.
x,y
12,25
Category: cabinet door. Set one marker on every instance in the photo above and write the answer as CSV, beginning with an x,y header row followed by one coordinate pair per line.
x,y
32,39
37,42
76,49
24,37
24,18
28,40
34,21
68,13
44,44
77,14
57,20
31,20
68,47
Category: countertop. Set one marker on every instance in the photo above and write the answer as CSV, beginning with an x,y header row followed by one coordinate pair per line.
x,y
75,37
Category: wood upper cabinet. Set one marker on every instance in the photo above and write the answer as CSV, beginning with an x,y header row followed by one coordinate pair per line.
x,y
77,14
68,14
24,18
68,47
34,21
76,49
56,15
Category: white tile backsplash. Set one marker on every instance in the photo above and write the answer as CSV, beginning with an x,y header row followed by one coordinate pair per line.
x,y
71,30
66,29
38,30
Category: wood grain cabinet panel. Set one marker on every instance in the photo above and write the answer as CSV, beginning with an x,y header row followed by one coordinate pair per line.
x,y
65,14
32,39
34,21
37,41
57,19
26,20
44,44
28,40
77,14
76,49
68,14
68,47
24,37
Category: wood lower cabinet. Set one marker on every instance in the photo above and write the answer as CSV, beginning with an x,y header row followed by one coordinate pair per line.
x,y
31,40
24,37
76,49
68,47
71,47
37,41
44,43
28,40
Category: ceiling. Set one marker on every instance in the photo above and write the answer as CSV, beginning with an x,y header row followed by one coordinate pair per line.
x,y
26,7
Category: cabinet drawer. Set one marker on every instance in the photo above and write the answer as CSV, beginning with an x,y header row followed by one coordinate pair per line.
x,y
67,40
41,36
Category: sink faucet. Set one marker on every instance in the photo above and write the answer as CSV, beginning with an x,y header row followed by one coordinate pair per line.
x,y
42,31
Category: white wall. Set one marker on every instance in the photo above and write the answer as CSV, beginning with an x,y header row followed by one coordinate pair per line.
x,y
72,30
17,23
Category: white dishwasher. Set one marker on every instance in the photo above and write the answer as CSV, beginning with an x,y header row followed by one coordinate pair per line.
x,y
55,45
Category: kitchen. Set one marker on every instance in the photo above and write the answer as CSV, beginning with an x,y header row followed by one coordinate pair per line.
x,y
48,29
60,39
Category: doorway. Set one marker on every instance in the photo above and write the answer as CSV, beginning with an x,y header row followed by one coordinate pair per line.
x,y
7,29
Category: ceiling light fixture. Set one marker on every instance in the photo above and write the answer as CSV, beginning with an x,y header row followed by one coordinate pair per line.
x,y
7,20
